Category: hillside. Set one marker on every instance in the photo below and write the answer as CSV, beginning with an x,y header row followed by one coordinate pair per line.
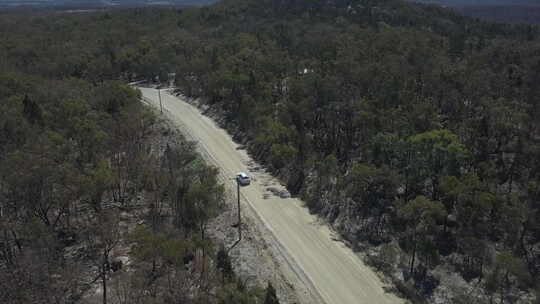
x,y
515,11
411,129
515,14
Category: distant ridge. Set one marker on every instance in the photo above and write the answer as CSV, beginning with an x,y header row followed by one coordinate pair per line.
x,y
512,11
98,3
481,2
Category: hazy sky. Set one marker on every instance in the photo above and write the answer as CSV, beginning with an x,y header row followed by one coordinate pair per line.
x,y
476,2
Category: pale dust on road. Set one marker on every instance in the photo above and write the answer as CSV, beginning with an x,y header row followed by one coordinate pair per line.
x,y
333,273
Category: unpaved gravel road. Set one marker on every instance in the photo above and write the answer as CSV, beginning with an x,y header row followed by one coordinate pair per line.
x,y
328,268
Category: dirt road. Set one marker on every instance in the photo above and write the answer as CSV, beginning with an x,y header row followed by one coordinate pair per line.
x,y
328,268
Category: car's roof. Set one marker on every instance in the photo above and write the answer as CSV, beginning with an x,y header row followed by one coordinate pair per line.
x,y
242,174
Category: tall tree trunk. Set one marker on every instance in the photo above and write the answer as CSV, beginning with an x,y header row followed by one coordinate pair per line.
x,y
413,253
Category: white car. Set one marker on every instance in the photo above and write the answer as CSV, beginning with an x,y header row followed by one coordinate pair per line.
x,y
243,179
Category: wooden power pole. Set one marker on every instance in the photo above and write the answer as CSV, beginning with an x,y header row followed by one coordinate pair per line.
x,y
239,218
160,105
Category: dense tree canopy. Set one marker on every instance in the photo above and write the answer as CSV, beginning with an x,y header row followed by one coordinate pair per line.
x,y
82,161
407,126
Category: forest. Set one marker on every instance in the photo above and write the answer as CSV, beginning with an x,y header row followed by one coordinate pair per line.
x,y
86,173
93,182
409,128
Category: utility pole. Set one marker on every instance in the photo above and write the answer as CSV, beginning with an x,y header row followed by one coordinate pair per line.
x,y
239,218
160,105
239,224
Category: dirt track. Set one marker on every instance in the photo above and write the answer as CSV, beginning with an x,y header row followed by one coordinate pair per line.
x,y
326,267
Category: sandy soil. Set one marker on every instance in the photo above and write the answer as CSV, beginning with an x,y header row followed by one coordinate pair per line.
x,y
312,258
